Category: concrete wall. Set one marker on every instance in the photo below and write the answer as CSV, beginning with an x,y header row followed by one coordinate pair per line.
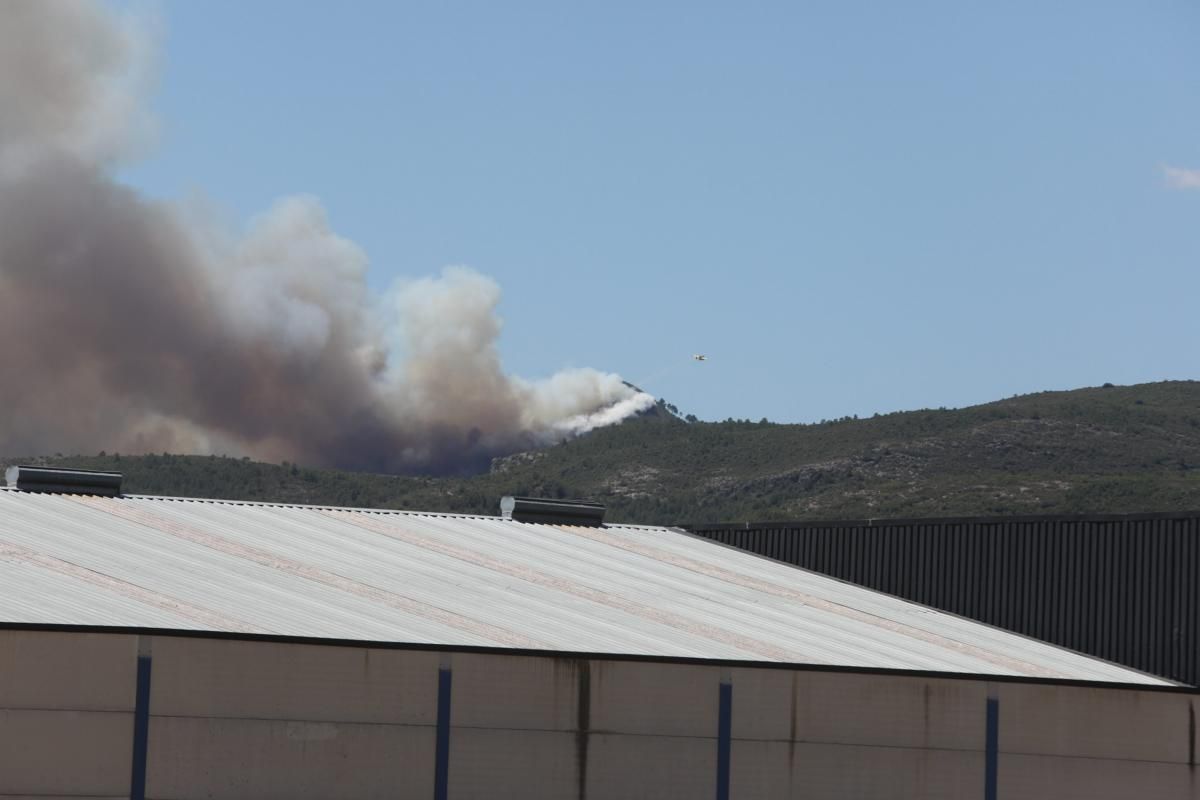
x,y
262,719
66,714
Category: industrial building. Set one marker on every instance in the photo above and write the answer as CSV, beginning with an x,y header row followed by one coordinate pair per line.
x,y
172,648
1123,587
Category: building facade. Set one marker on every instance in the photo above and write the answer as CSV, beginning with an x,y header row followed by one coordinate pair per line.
x,y
181,649
152,714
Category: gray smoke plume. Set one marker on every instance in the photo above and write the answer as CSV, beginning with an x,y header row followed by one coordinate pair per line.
x,y
135,325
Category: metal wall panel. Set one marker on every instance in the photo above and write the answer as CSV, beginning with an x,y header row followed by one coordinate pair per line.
x,y
1123,588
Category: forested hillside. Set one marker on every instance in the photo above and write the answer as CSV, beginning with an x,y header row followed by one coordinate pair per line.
x,y
1108,449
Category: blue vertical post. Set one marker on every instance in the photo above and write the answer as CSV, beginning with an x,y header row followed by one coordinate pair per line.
x,y
992,749
141,722
724,738
441,768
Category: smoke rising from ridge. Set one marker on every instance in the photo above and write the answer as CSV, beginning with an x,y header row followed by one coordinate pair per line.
x,y
134,325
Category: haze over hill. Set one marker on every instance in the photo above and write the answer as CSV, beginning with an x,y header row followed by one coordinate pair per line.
x,y
1112,449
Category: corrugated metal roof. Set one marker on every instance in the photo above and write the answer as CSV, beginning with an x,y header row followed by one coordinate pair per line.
x,y
457,580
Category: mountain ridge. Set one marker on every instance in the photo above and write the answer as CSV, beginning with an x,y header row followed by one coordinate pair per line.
x,y
1109,449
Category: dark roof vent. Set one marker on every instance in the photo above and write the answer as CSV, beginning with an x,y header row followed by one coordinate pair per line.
x,y
64,481
552,512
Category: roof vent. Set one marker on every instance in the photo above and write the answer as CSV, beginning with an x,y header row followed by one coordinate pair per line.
x,y
64,481
551,512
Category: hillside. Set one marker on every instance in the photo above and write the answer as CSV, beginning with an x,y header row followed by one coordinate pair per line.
x,y
1110,449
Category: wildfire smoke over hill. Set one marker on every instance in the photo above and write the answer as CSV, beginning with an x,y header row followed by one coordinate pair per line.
x,y
136,325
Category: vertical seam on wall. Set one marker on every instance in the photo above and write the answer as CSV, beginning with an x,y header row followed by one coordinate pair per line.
x,y
992,751
441,767
583,724
724,737
141,721
1192,735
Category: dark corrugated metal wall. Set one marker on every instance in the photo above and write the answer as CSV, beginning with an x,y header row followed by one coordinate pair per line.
x,y
1123,588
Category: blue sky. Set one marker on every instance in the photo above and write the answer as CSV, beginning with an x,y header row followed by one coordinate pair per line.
x,y
849,207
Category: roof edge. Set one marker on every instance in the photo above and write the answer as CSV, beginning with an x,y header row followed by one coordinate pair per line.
x,y
185,633
404,512
881,521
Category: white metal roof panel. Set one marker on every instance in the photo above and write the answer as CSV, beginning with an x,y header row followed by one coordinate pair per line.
x,y
457,580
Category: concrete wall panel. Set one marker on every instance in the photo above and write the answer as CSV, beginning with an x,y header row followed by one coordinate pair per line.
x,y
762,770
1093,722
65,752
85,672
514,764
649,698
770,770
1049,778
898,711
764,703
835,772
243,759
268,680
650,767
524,693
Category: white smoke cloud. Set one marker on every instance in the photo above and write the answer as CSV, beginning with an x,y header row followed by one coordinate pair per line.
x,y
1181,178
136,325
610,415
